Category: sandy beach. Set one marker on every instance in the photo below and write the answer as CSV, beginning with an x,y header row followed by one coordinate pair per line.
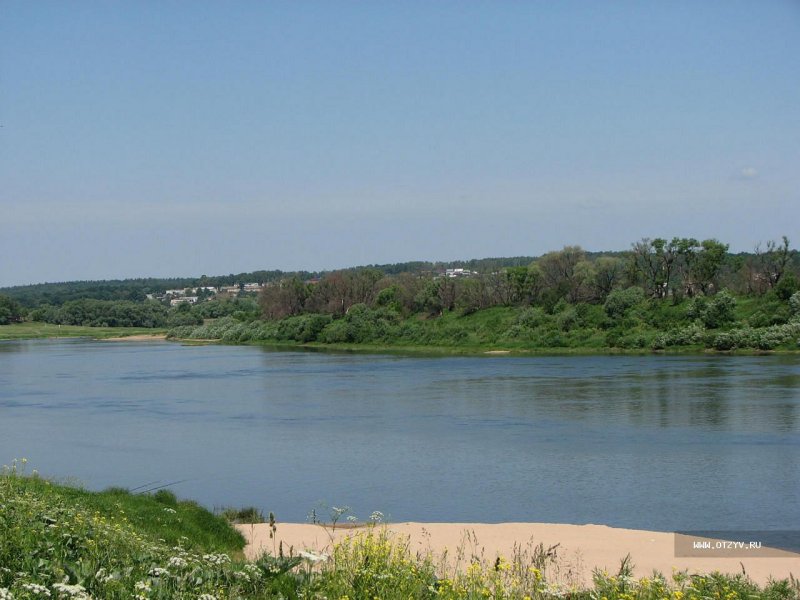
x,y
142,337
581,548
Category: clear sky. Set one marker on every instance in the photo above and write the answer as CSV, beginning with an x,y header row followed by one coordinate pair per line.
x,y
180,138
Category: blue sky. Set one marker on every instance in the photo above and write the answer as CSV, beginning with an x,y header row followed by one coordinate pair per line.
x,y
182,138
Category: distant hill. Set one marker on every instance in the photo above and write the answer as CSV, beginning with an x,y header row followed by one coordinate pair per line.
x,y
57,293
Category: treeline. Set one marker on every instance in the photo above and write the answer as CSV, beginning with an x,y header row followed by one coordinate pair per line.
x,y
123,313
136,290
662,294
663,269
133,290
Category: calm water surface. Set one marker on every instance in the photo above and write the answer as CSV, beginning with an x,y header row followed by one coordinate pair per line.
x,y
646,442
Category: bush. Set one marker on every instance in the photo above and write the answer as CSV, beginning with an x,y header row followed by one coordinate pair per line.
x,y
532,317
794,304
715,312
787,286
691,335
619,301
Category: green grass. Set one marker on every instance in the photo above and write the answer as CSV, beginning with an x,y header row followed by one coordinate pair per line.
x,y
34,330
59,542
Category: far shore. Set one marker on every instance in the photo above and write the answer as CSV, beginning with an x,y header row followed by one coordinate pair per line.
x,y
31,330
142,337
579,548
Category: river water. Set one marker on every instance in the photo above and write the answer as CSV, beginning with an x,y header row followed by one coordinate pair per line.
x,y
652,442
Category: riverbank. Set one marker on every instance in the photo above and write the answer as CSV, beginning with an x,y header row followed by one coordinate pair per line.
x,y
493,350
66,542
36,330
579,549
139,337
590,330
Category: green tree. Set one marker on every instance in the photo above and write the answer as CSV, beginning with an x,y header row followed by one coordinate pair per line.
x,y
10,310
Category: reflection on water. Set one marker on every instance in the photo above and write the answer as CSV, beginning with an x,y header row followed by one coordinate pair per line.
x,y
653,442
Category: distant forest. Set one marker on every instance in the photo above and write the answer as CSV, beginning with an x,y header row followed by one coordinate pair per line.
x,y
678,266
658,293
136,290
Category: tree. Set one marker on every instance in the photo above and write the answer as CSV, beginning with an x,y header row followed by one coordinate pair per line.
x,y
707,264
558,272
772,262
608,271
646,266
10,310
286,299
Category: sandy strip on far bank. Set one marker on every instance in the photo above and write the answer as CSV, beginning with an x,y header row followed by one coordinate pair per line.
x,y
142,337
581,547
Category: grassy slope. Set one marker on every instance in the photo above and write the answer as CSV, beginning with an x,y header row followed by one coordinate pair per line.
x,y
147,514
31,330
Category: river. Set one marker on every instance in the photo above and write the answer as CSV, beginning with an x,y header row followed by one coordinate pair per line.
x,y
650,442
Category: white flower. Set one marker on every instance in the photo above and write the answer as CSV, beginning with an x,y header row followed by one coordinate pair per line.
x,y
376,516
142,586
5,594
73,591
216,559
177,562
207,597
35,588
158,572
253,571
103,577
170,510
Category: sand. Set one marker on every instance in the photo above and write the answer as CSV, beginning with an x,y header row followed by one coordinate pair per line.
x,y
581,548
142,337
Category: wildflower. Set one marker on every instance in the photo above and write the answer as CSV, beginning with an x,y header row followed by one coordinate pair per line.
x,y
501,564
73,591
103,577
176,562
158,572
241,575
35,588
252,571
207,597
216,559
5,594
171,511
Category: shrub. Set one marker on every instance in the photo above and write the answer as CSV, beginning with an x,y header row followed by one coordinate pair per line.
x,y
794,304
619,301
532,317
714,312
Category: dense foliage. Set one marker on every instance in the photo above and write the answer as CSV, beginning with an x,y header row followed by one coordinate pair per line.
x,y
662,294
10,310
123,313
